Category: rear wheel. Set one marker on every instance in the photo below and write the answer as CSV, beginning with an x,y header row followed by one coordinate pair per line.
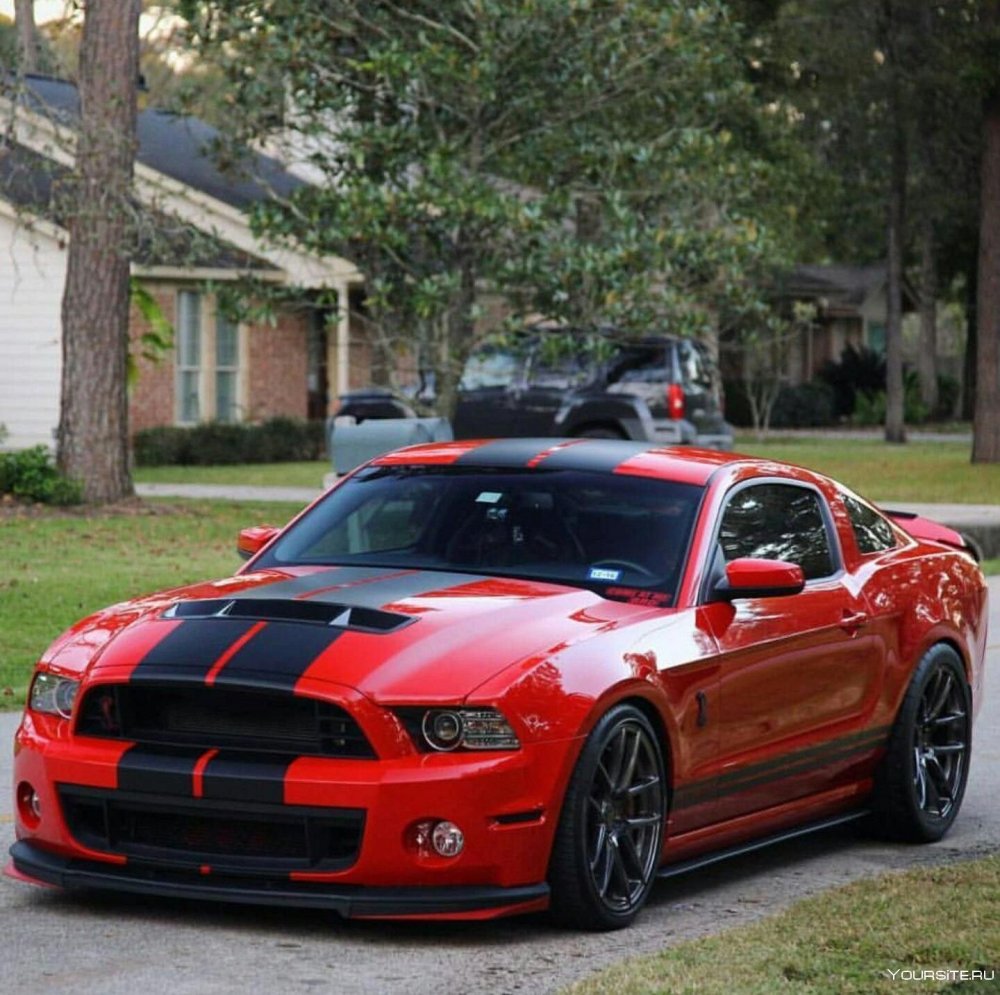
x,y
610,834
921,782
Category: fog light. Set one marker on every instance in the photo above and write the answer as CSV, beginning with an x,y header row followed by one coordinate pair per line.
x,y
29,804
447,839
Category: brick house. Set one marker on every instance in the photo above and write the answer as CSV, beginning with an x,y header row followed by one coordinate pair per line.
x,y
199,243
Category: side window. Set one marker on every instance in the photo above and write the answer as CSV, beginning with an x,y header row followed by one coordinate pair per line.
x,y
557,372
871,531
491,367
696,370
641,364
778,522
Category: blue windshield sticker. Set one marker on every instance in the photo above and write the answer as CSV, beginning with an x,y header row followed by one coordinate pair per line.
x,y
602,573
489,497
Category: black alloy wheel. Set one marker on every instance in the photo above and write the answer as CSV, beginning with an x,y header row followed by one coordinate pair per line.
x,y
610,836
922,778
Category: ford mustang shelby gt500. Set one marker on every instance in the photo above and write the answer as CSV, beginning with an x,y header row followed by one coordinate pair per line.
x,y
482,678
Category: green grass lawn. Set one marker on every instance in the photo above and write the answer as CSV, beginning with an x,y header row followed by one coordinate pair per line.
x,y
918,471
308,474
842,942
57,568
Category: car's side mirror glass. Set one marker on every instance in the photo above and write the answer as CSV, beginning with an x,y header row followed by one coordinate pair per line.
x,y
757,578
252,540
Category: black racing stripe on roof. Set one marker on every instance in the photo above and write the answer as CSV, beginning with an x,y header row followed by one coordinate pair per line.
x,y
277,656
191,650
246,778
596,455
159,770
507,452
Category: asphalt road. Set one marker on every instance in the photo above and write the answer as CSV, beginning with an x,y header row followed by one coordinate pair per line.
x,y
56,942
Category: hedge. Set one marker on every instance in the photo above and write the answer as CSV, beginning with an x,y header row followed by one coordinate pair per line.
x,y
278,440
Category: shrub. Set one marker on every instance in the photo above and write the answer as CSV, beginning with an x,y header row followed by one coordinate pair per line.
x,y
808,405
869,409
860,371
949,390
737,405
213,443
29,475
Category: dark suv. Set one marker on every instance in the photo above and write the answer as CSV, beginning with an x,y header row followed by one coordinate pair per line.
x,y
660,389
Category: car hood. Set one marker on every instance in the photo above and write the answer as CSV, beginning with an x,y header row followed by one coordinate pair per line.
x,y
394,635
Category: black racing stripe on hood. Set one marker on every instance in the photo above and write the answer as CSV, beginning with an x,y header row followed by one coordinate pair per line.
x,y
246,778
362,587
594,455
159,771
513,453
191,650
277,656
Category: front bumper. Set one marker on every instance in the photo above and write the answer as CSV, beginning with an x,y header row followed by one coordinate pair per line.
x,y
37,865
505,805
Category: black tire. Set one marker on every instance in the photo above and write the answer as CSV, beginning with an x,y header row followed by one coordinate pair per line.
x,y
600,433
610,834
921,781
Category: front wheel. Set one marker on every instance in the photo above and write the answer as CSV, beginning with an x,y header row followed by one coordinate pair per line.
x,y
921,781
607,846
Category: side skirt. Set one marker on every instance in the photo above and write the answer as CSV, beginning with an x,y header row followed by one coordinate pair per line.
x,y
695,863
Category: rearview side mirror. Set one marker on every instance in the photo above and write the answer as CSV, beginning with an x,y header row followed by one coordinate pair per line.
x,y
757,578
252,540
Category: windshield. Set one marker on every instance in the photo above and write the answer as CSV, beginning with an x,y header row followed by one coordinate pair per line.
x,y
614,534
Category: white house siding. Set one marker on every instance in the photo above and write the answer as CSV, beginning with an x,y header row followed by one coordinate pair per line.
x,y
32,275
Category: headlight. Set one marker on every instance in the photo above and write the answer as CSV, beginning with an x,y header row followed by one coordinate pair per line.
x,y
447,729
53,694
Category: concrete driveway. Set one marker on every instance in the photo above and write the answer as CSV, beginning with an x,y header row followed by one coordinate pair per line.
x,y
58,942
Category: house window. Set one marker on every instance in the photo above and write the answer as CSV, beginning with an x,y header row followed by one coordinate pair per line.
x,y
188,357
208,361
227,367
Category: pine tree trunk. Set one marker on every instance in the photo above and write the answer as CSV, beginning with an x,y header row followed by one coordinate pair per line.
x,y
895,430
27,36
986,419
93,425
927,354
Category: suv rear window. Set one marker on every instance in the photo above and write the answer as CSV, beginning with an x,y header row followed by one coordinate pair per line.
x,y
640,364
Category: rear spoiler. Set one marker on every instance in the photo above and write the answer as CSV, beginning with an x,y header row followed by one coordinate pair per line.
x,y
924,528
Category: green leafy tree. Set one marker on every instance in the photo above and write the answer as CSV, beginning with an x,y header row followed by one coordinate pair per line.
x,y
593,162
890,105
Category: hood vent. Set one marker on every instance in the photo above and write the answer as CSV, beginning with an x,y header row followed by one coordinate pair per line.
x,y
337,616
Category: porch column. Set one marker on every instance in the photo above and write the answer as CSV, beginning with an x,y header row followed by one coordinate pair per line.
x,y
342,375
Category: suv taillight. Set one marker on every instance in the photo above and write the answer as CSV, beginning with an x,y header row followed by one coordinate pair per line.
x,y
675,401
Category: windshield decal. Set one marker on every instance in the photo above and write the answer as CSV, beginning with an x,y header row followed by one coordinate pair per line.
x,y
603,573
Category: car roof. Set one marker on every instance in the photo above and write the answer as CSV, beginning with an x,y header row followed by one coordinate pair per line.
x,y
640,459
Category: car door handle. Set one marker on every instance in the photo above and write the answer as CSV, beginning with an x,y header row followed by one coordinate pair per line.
x,y
852,621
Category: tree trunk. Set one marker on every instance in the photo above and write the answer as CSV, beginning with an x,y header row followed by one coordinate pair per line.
x,y
968,400
894,428
927,354
986,419
894,397
93,424
27,36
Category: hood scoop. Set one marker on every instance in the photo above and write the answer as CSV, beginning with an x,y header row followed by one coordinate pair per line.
x,y
336,616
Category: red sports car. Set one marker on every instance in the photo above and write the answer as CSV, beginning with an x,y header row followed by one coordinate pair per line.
x,y
483,678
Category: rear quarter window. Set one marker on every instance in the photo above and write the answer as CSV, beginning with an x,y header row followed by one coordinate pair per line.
x,y
872,532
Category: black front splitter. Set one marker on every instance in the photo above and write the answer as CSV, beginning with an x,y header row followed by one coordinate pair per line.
x,y
350,901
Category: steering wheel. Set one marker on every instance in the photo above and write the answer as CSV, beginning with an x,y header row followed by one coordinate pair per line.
x,y
628,564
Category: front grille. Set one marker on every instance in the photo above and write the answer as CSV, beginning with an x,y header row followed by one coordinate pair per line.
x,y
210,718
247,838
